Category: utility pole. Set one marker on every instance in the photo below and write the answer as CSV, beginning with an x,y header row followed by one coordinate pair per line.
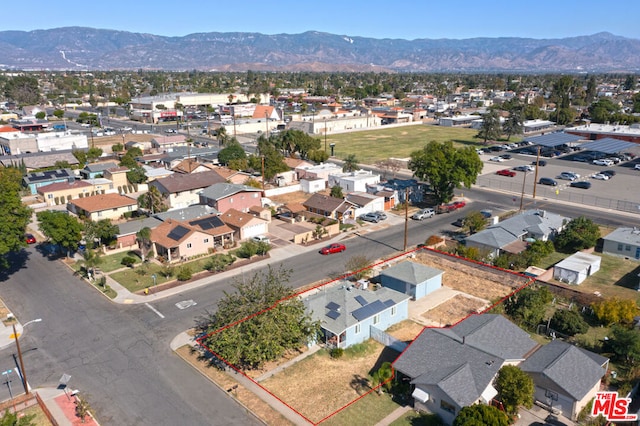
x,y
535,182
406,216
262,162
325,135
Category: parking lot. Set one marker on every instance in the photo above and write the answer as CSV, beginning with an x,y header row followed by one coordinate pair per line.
x,y
617,193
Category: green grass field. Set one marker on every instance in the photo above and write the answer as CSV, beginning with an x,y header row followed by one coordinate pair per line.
x,y
397,142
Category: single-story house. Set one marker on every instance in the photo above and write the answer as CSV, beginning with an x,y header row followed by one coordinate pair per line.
x,y
154,173
624,242
411,278
347,313
37,179
103,206
162,143
194,211
61,192
452,368
245,225
126,236
224,196
566,377
94,170
176,240
353,181
365,202
182,190
510,235
331,207
191,165
312,185
576,268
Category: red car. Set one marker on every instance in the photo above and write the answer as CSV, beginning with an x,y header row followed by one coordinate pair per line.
x,y
448,208
333,248
29,238
506,172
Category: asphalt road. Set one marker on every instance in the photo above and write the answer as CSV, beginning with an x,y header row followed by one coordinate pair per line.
x,y
117,355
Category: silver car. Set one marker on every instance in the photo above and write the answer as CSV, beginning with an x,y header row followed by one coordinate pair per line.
x,y
423,214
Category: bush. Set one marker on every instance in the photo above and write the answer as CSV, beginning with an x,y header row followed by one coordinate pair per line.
x,y
128,261
184,273
433,240
167,271
568,322
336,353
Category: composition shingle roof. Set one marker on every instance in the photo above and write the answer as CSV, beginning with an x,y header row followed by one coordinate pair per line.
x,y
102,202
565,368
221,190
411,272
187,182
62,186
237,219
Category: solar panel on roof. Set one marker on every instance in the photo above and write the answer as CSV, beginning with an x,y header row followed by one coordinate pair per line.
x,y
361,300
178,232
369,310
553,139
332,306
389,303
608,145
333,314
207,222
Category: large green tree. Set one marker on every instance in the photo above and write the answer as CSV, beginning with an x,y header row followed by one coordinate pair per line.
x,y
625,343
446,167
100,232
569,322
259,322
350,163
60,228
580,233
296,141
153,201
232,151
513,123
527,307
481,415
515,388
14,216
23,89
491,128
603,110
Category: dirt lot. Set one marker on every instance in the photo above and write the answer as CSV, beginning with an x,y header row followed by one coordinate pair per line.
x,y
453,310
319,385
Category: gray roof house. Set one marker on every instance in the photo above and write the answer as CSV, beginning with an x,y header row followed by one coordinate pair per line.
x,y
509,235
92,170
623,242
411,278
454,367
349,313
566,377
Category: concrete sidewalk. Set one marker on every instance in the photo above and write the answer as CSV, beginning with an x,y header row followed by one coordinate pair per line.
x,y
62,407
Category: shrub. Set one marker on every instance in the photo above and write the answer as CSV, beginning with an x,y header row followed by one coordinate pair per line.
x,y
433,240
128,261
166,271
568,322
336,353
184,273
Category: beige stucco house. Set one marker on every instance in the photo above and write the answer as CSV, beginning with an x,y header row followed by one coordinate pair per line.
x,y
103,206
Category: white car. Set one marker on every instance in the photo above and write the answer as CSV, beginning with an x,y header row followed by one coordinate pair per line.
x,y
636,167
525,168
601,176
603,162
498,159
261,239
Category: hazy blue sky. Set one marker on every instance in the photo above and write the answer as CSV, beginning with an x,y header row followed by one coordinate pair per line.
x,y
406,19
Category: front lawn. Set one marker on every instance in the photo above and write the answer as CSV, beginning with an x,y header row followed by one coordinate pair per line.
x,y
617,277
398,142
112,262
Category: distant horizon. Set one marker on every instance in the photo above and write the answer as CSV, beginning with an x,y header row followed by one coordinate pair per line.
x,y
464,19
326,32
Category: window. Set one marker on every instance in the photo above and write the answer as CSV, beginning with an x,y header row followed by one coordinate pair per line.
x,y
99,214
49,196
188,245
620,247
376,319
447,407
393,310
231,200
129,208
357,328
627,248
206,240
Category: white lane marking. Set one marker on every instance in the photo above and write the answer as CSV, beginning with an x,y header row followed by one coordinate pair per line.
x,y
154,310
186,304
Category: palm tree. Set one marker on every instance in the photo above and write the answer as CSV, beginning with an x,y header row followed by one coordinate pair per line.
x,y
221,135
350,163
144,240
92,259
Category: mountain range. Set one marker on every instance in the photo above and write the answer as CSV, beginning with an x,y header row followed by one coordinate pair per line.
x,y
79,48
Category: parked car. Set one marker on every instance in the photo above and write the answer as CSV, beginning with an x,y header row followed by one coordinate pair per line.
x,y
29,239
610,173
603,162
506,172
636,167
448,208
486,213
459,222
581,184
540,163
261,239
525,168
506,156
569,176
423,214
381,215
171,131
333,248
601,176
370,217
547,181
497,159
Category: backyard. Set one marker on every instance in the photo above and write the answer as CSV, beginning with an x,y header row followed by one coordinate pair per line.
x,y
397,142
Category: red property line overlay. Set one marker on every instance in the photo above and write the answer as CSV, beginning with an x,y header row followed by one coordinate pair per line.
x,y
199,340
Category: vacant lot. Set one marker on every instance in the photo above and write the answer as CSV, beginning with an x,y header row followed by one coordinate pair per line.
x,y
454,310
398,142
319,385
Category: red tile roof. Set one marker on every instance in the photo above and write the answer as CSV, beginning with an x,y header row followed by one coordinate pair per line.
x,y
61,186
102,202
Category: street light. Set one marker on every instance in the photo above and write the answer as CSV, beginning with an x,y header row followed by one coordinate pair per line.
x,y
15,336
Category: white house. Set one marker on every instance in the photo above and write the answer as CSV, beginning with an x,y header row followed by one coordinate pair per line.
x,y
60,141
354,181
311,185
576,268
365,202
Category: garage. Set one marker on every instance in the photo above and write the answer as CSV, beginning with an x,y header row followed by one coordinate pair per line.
x,y
576,268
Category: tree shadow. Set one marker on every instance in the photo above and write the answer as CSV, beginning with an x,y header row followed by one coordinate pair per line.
x,y
387,355
360,384
50,251
15,262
